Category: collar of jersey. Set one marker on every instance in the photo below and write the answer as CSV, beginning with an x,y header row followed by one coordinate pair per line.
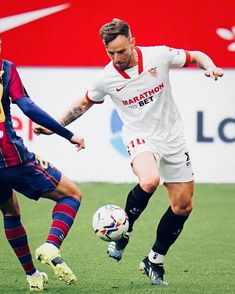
x,y
140,65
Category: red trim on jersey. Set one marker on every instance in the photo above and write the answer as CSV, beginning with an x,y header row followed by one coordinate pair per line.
x,y
140,60
140,65
188,58
123,73
92,101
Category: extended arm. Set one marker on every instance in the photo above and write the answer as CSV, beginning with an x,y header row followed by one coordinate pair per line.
x,y
36,114
204,61
77,109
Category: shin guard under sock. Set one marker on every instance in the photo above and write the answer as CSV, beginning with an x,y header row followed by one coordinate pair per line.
x,y
168,230
136,202
63,216
17,238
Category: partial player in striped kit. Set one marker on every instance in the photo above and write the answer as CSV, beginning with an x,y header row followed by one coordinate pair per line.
x,y
137,81
30,175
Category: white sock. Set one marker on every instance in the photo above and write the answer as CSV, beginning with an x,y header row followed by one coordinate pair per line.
x,y
155,257
128,234
34,274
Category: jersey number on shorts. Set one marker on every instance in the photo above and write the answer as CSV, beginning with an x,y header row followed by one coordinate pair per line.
x,y
133,144
41,162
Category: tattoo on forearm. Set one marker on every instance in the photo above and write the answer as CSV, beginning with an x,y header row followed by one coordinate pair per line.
x,y
201,65
72,115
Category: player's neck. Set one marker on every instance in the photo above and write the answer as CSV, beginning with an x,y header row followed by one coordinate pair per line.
x,y
134,59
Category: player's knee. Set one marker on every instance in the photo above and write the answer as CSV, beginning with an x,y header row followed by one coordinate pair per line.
x,y
150,184
67,188
13,211
76,193
182,208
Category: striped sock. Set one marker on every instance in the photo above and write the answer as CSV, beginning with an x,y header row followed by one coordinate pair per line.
x,y
63,216
17,238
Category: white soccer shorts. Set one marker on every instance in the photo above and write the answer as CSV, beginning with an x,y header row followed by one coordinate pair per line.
x,y
174,165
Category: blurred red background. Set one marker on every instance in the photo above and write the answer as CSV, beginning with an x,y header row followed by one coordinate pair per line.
x,y
70,37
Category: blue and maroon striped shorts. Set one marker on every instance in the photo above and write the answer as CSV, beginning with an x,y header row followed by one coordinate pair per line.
x,y
31,178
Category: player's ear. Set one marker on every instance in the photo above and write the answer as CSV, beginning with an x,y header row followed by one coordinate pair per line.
x,y
132,42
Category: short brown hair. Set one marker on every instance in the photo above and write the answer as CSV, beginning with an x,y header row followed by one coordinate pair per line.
x,y
111,30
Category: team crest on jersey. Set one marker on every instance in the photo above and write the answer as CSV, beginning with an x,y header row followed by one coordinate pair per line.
x,y
153,72
1,134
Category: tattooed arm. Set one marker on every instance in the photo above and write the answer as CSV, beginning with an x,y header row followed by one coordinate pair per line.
x,y
75,111
204,61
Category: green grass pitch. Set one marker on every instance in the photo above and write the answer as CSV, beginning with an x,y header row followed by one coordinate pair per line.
x,y
201,261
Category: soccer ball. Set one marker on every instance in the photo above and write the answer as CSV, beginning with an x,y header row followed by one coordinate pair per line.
x,y
110,223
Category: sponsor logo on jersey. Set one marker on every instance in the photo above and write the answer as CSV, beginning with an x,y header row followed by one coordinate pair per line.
x,y
1,134
145,97
119,89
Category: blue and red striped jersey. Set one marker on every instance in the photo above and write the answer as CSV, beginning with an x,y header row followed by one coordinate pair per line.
x,y
12,149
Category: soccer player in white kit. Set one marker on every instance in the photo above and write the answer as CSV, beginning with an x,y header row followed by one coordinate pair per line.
x,y
137,81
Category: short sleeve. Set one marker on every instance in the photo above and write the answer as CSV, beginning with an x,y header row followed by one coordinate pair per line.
x,y
177,57
96,92
16,88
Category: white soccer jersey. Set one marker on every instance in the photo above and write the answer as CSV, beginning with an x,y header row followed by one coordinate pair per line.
x,y
142,95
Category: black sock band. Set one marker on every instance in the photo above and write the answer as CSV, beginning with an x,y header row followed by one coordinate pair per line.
x,y
136,202
168,230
